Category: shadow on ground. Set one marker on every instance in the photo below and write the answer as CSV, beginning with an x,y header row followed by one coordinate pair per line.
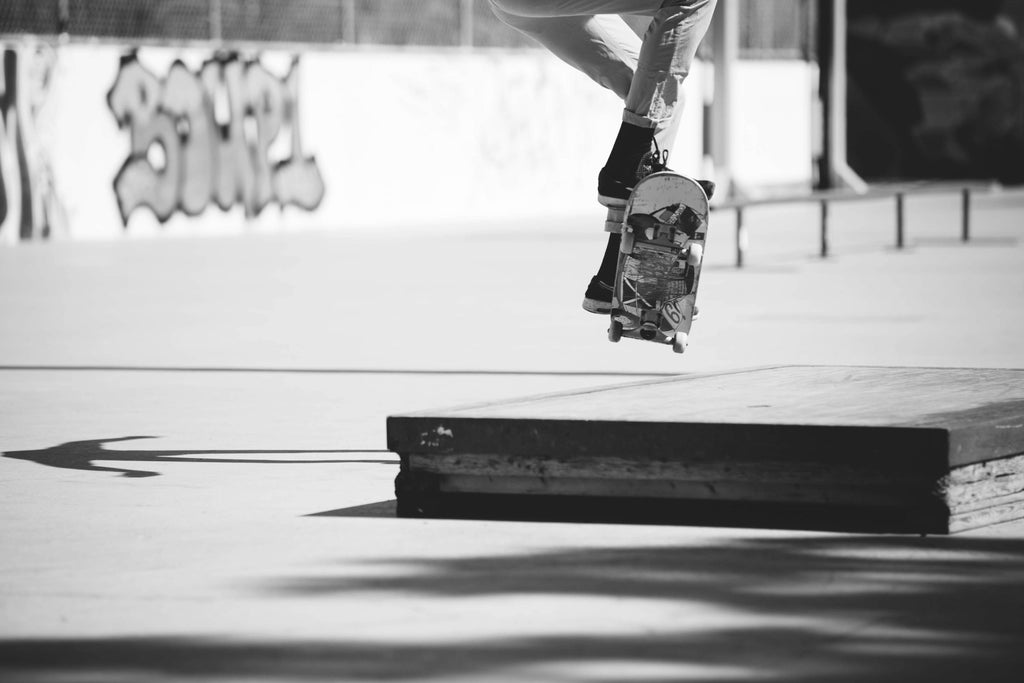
x,y
834,609
384,508
82,455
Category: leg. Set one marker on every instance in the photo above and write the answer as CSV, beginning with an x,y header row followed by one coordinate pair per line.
x,y
673,32
602,47
669,48
605,48
654,97
651,114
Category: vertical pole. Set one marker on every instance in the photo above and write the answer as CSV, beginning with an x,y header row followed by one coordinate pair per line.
x,y
725,46
825,52
466,23
965,208
63,16
216,27
899,220
834,171
807,37
348,21
741,237
824,228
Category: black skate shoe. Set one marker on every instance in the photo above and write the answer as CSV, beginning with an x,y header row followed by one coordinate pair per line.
x,y
613,191
598,298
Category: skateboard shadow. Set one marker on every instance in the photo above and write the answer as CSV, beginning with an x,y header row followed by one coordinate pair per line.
x,y
82,455
829,609
754,269
958,242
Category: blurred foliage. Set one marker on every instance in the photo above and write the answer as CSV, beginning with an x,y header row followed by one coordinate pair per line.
x,y
937,92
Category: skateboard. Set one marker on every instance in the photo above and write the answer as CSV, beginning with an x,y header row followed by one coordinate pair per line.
x,y
663,234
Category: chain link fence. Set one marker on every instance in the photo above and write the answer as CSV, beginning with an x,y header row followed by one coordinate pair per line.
x,y
776,28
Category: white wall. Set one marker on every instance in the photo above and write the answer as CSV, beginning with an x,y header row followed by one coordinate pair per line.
x,y
412,137
772,124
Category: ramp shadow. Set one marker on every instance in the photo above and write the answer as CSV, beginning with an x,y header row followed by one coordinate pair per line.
x,y
82,455
385,508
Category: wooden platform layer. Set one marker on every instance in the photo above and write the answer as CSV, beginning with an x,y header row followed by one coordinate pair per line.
x,y
846,448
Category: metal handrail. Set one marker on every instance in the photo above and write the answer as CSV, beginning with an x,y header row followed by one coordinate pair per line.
x,y
825,197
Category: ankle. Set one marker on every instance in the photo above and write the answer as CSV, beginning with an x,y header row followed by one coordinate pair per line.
x,y
606,273
630,146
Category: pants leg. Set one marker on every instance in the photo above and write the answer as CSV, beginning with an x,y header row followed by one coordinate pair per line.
x,y
669,48
571,29
602,47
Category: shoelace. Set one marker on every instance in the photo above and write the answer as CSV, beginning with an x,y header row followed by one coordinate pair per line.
x,y
652,162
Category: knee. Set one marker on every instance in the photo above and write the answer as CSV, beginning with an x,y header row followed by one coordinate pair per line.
x,y
518,22
520,8
692,17
685,8
688,4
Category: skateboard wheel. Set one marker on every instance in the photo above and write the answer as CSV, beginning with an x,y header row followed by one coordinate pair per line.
x,y
679,343
695,255
648,331
615,332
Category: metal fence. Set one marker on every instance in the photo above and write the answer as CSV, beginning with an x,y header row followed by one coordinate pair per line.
x,y
776,28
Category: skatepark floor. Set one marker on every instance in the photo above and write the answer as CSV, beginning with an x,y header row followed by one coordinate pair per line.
x,y
194,483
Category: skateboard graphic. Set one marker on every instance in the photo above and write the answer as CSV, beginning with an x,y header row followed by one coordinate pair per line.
x,y
663,234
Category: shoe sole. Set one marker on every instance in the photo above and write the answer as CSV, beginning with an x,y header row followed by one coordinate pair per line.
x,y
597,306
611,202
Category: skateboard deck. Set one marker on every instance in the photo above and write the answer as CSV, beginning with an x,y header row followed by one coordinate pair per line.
x,y
655,291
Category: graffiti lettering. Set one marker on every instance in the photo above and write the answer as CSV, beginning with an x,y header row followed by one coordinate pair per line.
x,y
28,203
215,135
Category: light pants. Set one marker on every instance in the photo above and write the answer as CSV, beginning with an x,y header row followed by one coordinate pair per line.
x,y
647,74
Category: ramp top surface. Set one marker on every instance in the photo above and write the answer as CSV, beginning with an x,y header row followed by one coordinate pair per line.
x,y
980,411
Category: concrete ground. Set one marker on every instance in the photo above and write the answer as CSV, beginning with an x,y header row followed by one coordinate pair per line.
x,y
194,483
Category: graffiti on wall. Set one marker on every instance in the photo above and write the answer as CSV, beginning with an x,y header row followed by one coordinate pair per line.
x,y
227,134
29,207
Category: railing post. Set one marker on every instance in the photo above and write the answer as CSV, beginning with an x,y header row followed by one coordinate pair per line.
x,y
824,228
348,21
466,23
216,25
899,221
725,50
741,237
965,207
63,16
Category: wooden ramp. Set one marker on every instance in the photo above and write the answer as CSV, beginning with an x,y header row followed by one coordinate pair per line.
x,y
843,448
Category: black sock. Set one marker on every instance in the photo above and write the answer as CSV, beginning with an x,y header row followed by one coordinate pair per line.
x,y
631,144
606,273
